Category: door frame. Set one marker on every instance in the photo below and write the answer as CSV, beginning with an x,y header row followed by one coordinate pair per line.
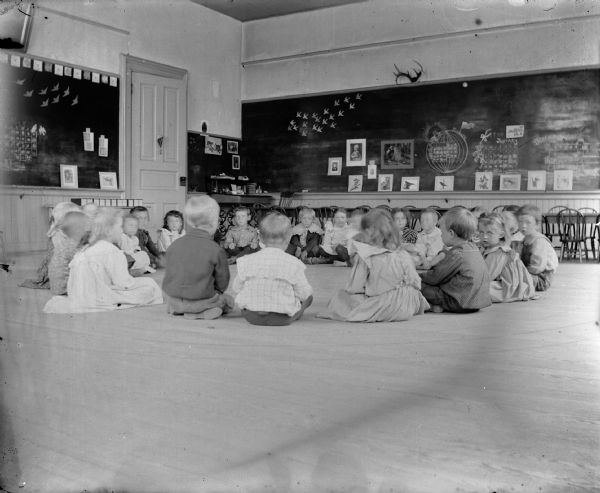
x,y
130,64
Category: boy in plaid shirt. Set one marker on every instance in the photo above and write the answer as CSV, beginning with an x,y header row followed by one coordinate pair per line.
x,y
271,285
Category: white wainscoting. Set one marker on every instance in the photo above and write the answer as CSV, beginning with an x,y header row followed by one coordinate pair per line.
x,y
24,213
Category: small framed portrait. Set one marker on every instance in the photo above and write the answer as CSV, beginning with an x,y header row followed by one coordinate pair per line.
x,y
397,154
355,183
232,147
235,162
356,150
410,184
563,179
68,176
334,166
385,183
483,181
510,182
213,145
108,180
372,172
536,180
444,184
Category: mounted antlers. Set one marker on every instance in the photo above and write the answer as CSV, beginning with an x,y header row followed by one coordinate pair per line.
x,y
407,74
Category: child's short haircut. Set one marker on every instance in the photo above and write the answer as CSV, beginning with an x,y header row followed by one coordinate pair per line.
x,y
275,228
103,224
530,210
429,210
173,213
512,208
306,212
202,212
75,224
242,209
478,211
461,221
510,221
497,222
139,208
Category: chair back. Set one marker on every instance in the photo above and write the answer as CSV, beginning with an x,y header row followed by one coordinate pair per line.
x,y
570,225
556,209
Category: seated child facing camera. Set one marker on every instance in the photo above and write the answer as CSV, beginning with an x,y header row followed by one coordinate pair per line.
x,y
197,273
241,238
306,236
402,216
460,282
146,243
429,240
537,252
172,230
335,240
130,244
271,285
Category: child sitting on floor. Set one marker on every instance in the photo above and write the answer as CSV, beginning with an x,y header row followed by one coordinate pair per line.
x,y
384,285
516,237
146,243
197,273
460,282
402,216
510,279
240,239
130,244
306,236
76,227
429,242
98,276
335,240
172,229
537,253
271,285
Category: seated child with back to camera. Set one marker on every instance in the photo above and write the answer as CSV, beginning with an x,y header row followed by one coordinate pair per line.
x,y
306,236
241,238
197,272
271,285
460,282
172,230
537,253
510,280
146,243
130,244
383,285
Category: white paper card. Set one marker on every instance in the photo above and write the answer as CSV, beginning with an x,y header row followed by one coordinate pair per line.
x,y
103,146
4,57
27,62
88,140
58,69
372,172
113,81
77,73
38,65
96,77
515,131
15,60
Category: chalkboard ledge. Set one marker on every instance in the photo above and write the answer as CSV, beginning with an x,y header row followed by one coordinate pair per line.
x,y
62,189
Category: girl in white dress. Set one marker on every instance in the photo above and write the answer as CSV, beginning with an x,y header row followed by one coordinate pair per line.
x,y
99,279
172,230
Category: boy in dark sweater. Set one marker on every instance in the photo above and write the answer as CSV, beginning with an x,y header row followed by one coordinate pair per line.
x,y
197,273
146,243
460,282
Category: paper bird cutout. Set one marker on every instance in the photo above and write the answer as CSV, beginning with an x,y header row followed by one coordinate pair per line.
x,y
56,99
298,114
43,91
305,116
346,99
358,96
20,81
55,88
45,103
351,106
28,94
75,101
336,102
66,92
326,111
340,113
332,124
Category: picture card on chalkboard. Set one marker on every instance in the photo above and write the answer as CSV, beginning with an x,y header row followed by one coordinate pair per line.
x,y
213,145
235,162
355,183
334,166
108,180
410,184
372,172
563,179
483,181
510,182
536,180
232,147
397,154
444,184
385,183
68,176
356,150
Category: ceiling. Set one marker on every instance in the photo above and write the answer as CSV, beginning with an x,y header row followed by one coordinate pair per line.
x,y
248,10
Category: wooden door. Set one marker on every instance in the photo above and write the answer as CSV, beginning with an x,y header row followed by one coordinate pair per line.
x,y
158,145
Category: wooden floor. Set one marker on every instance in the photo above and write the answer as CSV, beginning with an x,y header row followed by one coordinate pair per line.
x,y
504,400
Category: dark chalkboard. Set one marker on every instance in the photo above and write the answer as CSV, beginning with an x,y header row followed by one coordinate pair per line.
x,y
43,119
424,131
202,165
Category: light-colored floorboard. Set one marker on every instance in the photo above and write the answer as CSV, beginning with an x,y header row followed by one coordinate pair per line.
x,y
507,399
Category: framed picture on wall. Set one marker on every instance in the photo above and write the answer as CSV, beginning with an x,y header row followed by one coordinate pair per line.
x,y
356,150
483,181
563,179
68,176
355,183
444,184
385,183
213,145
235,162
536,180
510,182
108,180
372,172
232,146
410,183
334,166
397,154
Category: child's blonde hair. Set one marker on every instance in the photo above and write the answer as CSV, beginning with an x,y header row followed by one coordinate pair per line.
x,y
510,221
461,221
530,210
478,211
58,213
378,229
275,228
202,212
433,212
103,224
306,212
77,226
496,221
90,210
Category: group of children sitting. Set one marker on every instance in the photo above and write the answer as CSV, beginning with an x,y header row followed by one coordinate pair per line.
x,y
97,257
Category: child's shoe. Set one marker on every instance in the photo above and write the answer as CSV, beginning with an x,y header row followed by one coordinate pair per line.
x,y
436,309
209,314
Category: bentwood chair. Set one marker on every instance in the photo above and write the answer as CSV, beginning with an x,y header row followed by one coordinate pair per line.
x,y
549,224
571,229
589,228
385,207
